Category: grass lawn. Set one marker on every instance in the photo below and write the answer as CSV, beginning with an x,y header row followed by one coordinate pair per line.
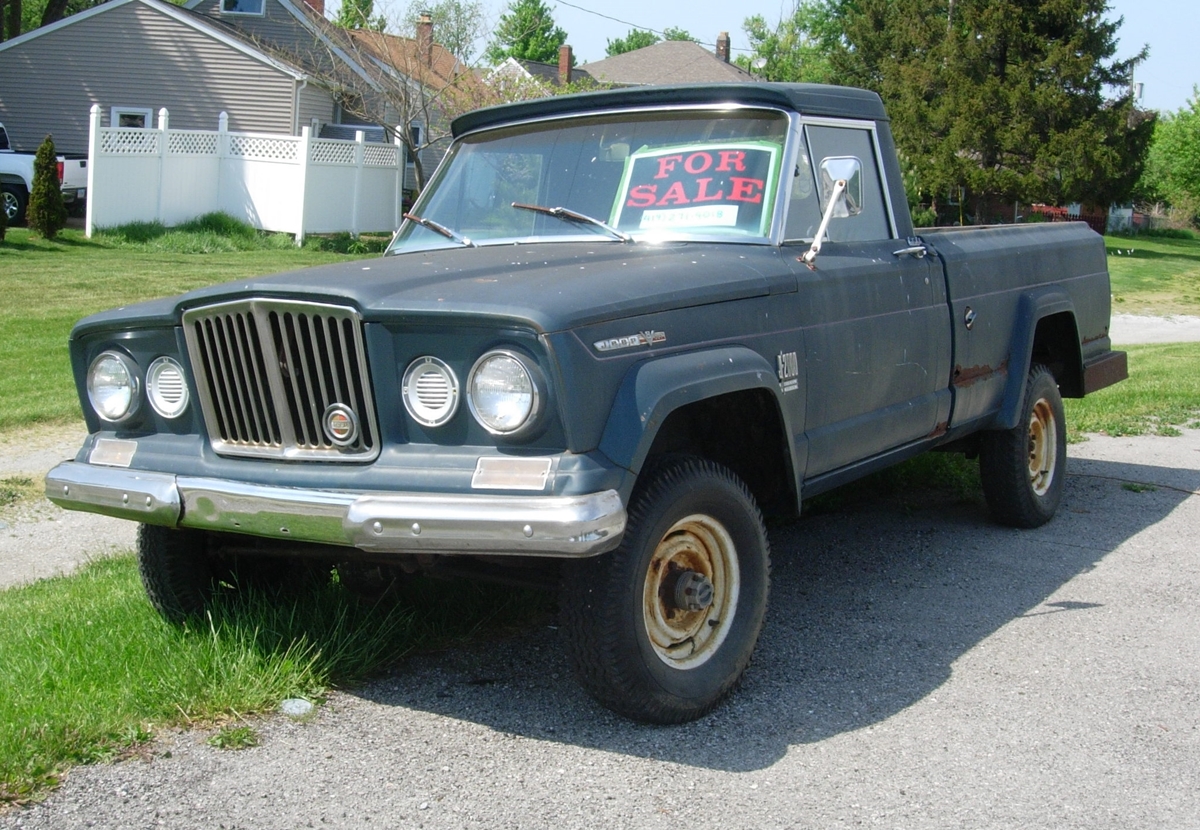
x,y
48,286
1152,275
1161,394
88,669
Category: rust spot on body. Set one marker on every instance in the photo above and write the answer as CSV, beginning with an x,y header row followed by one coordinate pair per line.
x,y
967,377
939,430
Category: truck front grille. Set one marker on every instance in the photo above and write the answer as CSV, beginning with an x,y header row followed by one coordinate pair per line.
x,y
268,371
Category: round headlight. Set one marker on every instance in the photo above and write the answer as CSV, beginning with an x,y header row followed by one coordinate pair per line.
x,y
113,386
165,387
502,393
430,391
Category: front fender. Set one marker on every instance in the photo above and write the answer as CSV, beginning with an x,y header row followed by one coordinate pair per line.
x,y
653,389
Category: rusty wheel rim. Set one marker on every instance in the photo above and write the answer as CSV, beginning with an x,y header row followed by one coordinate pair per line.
x,y
1043,446
698,545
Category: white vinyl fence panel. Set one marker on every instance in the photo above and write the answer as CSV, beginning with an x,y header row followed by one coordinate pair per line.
x,y
291,184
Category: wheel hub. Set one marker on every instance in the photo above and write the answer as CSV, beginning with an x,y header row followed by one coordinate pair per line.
x,y
691,591
1043,446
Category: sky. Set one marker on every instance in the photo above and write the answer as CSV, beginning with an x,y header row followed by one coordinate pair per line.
x,y
1169,27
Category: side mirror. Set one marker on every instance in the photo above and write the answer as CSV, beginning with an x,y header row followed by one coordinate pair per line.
x,y
846,169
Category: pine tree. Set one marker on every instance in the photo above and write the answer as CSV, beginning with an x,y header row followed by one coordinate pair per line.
x,y
526,32
1009,99
46,214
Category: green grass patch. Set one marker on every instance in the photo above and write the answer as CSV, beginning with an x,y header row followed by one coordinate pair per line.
x,y
49,285
1154,274
17,489
89,671
1161,395
233,737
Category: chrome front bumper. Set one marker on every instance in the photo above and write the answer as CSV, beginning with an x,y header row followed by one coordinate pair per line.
x,y
562,526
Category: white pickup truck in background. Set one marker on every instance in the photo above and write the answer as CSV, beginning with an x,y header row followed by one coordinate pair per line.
x,y
16,179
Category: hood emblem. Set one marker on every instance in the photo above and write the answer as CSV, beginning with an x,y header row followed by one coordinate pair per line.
x,y
340,424
642,338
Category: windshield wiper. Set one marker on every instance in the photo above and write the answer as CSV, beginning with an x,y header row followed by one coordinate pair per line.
x,y
575,216
438,227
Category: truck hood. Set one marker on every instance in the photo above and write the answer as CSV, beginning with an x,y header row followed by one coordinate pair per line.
x,y
546,286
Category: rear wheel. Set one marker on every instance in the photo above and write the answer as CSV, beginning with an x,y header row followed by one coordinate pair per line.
x,y
662,628
1023,469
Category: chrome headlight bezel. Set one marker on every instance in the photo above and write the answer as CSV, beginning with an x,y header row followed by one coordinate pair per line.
x,y
133,385
410,389
159,402
532,412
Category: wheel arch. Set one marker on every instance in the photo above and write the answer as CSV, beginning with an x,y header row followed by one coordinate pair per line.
x,y
722,404
1045,333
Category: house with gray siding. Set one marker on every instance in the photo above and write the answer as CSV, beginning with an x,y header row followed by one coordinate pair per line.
x,y
274,66
133,57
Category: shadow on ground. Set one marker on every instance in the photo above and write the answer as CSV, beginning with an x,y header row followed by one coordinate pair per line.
x,y
870,608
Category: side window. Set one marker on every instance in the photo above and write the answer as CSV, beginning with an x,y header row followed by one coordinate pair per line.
x,y
804,209
872,222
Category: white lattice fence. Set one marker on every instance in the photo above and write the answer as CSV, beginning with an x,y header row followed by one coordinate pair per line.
x,y
294,184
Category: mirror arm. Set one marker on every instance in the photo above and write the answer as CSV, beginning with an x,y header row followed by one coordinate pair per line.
x,y
839,188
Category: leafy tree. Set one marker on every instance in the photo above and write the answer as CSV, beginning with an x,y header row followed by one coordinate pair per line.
x,y
636,39
46,213
798,49
10,19
1173,165
357,14
457,24
3,221
526,32
640,38
675,33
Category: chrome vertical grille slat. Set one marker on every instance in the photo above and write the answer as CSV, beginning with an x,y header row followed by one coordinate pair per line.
x,y
267,370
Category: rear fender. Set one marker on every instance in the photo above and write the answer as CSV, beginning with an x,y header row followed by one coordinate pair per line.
x,y
1032,308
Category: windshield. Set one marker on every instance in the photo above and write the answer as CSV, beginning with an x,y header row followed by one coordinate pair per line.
x,y
649,175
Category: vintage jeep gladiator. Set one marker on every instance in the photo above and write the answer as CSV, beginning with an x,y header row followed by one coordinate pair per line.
x,y
616,329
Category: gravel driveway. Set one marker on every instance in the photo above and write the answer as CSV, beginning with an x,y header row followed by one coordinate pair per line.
x,y
920,668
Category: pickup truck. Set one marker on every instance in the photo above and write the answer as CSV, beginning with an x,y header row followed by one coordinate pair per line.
x,y
616,329
16,179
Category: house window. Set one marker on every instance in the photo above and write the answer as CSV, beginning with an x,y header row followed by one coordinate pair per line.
x,y
139,117
242,7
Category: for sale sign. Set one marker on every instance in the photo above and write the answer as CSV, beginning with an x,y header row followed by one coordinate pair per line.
x,y
694,188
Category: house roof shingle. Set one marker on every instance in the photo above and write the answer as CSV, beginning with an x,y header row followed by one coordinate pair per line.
x,y
667,62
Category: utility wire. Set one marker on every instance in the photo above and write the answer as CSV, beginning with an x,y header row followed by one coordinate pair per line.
x,y
643,28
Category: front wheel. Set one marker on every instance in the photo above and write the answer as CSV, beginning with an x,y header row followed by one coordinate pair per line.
x,y
661,629
1022,469
176,571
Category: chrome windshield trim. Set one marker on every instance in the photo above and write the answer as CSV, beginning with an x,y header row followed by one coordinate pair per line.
x,y
383,522
774,235
730,106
